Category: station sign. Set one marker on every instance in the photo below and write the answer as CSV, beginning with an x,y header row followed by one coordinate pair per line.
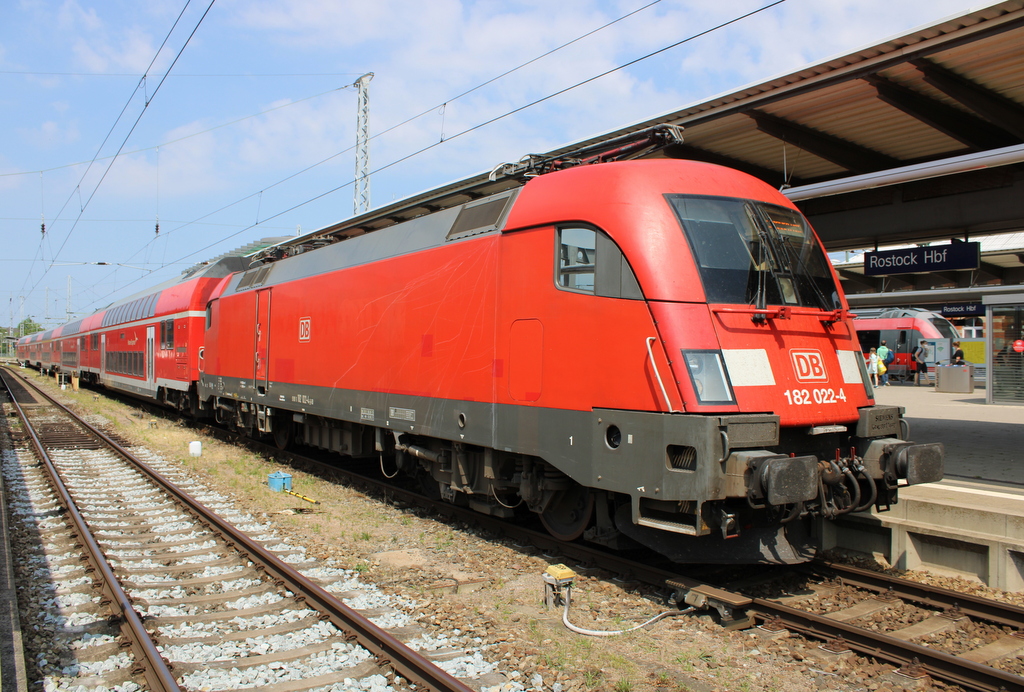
x,y
918,260
963,310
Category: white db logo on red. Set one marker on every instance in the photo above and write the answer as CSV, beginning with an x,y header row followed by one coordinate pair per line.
x,y
809,366
304,329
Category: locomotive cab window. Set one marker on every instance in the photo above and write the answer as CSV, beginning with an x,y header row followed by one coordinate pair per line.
x,y
590,262
751,253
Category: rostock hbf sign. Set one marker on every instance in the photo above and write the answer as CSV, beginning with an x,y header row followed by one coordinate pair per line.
x,y
917,260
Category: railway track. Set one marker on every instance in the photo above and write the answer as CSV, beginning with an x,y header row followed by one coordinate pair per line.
x,y
930,648
150,587
926,631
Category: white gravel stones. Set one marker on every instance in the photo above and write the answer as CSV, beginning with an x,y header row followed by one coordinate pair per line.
x,y
468,666
113,495
259,645
339,657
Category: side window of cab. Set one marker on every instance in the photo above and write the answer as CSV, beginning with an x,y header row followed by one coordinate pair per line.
x,y
588,261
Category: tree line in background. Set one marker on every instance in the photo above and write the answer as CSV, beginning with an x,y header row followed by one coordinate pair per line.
x,y
8,335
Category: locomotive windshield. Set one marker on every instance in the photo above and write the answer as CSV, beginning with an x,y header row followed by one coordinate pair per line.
x,y
755,253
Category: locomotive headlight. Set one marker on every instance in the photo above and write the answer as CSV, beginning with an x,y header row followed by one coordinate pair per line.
x,y
709,377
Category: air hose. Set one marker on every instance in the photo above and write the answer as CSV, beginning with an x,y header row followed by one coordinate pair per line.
x,y
566,597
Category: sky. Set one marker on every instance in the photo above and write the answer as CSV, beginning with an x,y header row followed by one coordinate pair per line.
x,y
230,122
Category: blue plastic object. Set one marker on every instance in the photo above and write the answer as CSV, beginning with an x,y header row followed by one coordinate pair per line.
x,y
279,481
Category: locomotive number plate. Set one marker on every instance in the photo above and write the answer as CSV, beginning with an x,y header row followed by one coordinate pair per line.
x,y
799,397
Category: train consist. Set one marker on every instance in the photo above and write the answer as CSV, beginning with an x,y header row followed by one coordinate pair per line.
x,y
901,329
648,351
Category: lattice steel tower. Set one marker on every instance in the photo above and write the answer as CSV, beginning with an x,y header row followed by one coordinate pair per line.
x,y
362,188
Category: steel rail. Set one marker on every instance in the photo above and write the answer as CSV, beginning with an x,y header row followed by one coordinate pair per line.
x,y
389,651
541,540
965,673
925,594
949,668
155,668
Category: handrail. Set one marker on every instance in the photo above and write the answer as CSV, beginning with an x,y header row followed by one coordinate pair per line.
x,y
786,312
657,374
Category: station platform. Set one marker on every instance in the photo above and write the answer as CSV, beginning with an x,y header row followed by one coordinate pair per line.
x,y
971,523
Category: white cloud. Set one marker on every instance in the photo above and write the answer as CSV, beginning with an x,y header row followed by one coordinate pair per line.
x,y
52,134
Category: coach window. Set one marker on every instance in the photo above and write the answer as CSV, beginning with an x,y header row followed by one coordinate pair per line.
x,y
590,262
167,334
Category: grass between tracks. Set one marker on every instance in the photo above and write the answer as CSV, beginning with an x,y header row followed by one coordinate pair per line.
x,y
508,610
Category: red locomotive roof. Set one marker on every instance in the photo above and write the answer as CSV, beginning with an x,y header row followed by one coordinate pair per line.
x,y
626,200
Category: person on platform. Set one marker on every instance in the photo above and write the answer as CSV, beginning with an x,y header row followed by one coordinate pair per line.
x,y
958,355
872,362
883,358
921,355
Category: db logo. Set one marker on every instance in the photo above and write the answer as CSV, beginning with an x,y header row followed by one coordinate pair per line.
x,y
808,366
304,329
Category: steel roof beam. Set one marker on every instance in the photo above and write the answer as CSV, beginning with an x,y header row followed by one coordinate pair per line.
x,y
848,277
839,151
997,109
993,270
969,129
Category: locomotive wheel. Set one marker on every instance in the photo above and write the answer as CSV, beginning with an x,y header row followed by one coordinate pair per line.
x,y
282,436
569,513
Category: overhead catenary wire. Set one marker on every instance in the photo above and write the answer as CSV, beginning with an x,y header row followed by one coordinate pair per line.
x,y
398,125
467,130
148,100
473,128
428,111
184,137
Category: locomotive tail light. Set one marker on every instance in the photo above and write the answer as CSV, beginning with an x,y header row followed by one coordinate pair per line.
x,y
709,377
613,437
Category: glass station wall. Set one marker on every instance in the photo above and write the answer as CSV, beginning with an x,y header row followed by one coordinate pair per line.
x,y
1007,355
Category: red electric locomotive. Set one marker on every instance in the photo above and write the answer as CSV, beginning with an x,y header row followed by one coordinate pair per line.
x,y
655,349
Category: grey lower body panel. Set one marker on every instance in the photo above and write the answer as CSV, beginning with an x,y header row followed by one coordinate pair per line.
x,y
626,452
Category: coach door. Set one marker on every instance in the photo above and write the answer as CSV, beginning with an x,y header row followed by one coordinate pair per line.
x,y
150,337
262,341
103,354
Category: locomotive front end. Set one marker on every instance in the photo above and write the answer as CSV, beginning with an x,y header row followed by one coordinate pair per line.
x,y
775,427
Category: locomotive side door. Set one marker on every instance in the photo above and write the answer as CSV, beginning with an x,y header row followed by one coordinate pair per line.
x,y
260,367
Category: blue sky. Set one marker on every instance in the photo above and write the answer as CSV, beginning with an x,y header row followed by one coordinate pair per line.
x,y
251,134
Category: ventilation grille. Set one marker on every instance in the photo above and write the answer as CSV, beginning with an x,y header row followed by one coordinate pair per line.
x,y
254,277
682,457
479,217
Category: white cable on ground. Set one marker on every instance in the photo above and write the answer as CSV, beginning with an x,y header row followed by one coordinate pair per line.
x,y
608,633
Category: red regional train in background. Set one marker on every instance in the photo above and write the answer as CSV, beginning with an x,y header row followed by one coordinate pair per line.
x,y
901,329
652,350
